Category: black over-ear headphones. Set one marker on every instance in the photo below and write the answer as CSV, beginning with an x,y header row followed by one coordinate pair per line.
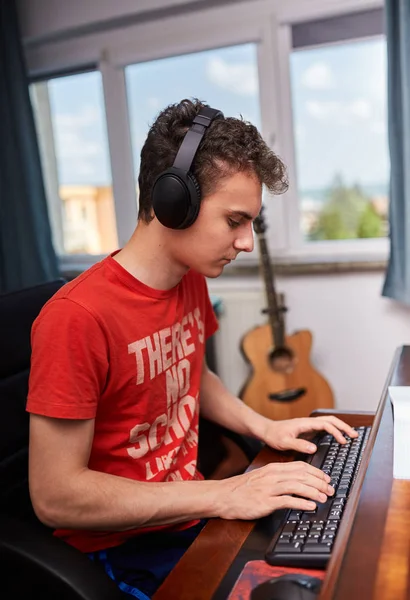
x,y
176,195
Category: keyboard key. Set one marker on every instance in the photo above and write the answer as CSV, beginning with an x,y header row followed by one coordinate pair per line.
x,y
295,514
341,493
289,548
305,530
318,549
290,526
320,455
323,509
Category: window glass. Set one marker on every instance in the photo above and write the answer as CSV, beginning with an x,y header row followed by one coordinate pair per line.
x,y
342,163
224,78
71,126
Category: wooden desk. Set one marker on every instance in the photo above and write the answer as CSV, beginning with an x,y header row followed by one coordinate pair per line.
x,y
371,556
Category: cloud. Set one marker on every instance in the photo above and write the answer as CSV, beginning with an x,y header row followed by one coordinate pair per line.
x,y
323,109
86,170
153,103
318,76
73,146
376,72
240,78
81,146
300,133
87,116
358,109
379,127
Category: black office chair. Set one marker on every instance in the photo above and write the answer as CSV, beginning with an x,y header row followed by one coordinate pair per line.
x,y
221,450
31,558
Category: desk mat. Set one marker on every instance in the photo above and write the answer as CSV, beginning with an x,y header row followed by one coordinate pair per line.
x,y
258,571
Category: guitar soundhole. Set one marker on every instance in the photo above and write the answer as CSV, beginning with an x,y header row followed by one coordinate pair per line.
x,y
281,360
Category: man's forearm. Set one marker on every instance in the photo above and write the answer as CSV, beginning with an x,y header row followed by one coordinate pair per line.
x,y
100,501
222,407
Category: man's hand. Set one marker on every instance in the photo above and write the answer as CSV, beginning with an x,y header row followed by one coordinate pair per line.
x,y
258,493
284,435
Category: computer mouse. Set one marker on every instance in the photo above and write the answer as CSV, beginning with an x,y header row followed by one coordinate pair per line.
x,y
292,586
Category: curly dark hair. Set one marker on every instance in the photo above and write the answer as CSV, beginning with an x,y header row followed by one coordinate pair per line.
x,y
230,145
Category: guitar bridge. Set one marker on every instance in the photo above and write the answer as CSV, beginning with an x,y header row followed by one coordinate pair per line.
x,y
288,395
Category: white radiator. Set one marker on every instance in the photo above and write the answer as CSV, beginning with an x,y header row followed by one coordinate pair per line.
x,y
241,311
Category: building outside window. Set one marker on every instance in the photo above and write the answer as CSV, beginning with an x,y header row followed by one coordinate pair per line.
x,y
71,125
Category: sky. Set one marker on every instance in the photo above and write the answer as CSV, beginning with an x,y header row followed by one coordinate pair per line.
x,y
338,103
339,113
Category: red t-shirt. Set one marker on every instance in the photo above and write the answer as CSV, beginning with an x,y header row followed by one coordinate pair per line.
x,y
109,348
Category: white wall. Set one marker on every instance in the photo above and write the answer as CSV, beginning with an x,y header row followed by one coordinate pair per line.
x,y
40,19
355,330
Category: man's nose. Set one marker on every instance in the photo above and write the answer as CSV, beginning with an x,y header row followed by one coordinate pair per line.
x,y
245,242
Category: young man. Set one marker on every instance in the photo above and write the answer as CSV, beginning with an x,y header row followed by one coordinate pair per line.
x,y
118,374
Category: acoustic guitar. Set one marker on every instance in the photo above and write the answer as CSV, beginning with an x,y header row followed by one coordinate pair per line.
x,y
283,383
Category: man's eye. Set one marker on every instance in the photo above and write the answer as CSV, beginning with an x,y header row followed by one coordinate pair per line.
x,y
233,224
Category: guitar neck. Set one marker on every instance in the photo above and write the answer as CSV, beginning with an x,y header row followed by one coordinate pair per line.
x,y
275,309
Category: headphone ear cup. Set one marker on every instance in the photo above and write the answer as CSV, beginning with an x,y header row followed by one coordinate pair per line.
x,y
176,198
195,203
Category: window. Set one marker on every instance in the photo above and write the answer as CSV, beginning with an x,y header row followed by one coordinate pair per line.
x,y
71,126
225,78
340,129
311,78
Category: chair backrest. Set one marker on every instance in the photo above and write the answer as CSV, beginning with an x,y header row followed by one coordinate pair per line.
x,y
17,312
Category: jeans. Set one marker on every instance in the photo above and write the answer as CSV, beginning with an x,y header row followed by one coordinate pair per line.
x,y
141,564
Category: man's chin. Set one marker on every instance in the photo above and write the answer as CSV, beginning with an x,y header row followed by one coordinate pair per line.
x,y
211,271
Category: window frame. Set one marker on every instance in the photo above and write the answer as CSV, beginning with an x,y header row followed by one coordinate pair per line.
x,y
266,23
299,249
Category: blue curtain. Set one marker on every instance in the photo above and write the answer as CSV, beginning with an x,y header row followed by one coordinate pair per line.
x,y
397,281
27,255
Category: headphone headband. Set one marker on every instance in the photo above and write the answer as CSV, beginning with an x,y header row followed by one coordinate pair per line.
x,y
190,143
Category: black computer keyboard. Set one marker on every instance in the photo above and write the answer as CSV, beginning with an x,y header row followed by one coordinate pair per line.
x,y
305,539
